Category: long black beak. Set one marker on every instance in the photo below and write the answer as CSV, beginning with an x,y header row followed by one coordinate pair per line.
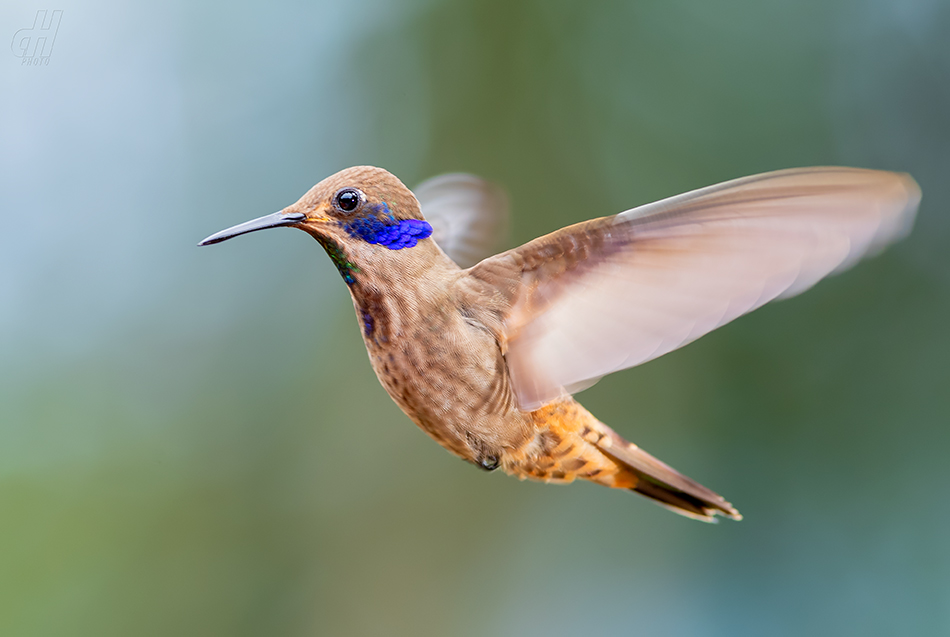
x,y
275,220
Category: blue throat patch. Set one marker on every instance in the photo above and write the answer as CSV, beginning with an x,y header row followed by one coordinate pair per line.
x,y
379,226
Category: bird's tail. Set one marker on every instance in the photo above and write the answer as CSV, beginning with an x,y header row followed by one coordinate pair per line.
x,y
571,444
662,483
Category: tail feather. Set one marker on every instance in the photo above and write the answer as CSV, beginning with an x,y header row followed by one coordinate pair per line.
x,y
660,482
683,503
569,443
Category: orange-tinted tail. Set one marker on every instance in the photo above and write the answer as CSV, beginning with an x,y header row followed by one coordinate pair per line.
x,y
571,444
664,484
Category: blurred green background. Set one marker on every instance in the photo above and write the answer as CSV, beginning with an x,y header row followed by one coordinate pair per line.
x,y
193,443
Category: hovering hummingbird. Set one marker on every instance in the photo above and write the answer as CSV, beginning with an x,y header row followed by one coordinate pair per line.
x,y
484,355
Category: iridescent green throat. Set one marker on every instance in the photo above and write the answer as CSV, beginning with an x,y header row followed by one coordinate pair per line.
x,y
339,259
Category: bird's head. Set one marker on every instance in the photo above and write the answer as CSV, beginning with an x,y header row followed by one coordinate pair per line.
x,y
364,217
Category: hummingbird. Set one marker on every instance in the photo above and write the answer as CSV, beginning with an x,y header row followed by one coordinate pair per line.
x,y
485,354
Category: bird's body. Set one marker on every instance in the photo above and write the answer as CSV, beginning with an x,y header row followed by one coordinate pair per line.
x,y
436,342
484,358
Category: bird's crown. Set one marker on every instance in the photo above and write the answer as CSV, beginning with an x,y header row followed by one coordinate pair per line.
x,y
367,204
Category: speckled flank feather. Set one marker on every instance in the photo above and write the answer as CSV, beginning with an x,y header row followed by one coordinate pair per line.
x,y
484,359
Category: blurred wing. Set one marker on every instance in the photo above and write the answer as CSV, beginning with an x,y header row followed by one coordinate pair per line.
x,y
615,292
469,216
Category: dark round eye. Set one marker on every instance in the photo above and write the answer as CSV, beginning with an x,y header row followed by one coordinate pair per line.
x,y
348,199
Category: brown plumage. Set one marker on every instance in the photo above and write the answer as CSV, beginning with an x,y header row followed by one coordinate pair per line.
x,y
484,359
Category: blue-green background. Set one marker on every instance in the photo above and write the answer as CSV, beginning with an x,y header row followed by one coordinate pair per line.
x,y
193,443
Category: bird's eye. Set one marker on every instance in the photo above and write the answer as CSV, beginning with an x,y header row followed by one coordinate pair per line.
x,y
348,199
